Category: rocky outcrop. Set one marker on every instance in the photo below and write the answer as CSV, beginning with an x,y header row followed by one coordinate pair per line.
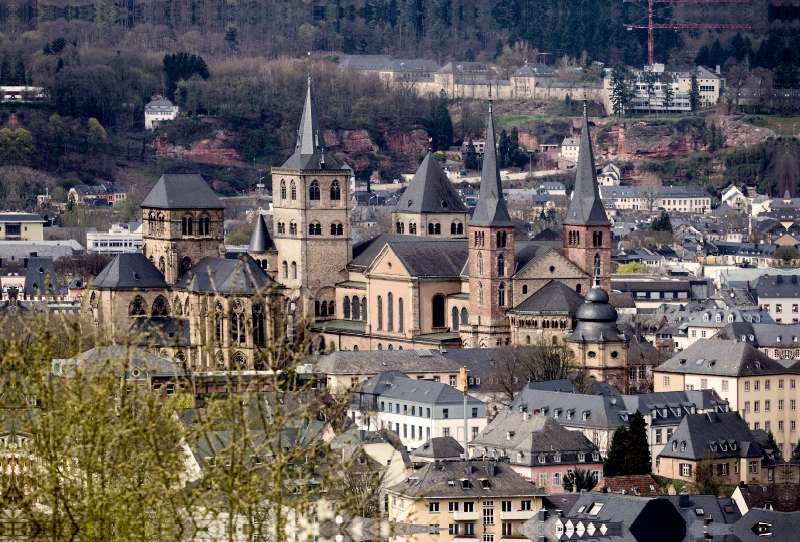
x,y
205,151
740,134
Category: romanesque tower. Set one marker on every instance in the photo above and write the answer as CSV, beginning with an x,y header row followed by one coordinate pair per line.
x,y
587,230
311,195
182,224
430,206
491,256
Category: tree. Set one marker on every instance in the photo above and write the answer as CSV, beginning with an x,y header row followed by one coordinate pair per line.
x,y
694,89
631,268
621,88
575,481
469,55
443,125
637,451
662,223
232,37
503,148
650,190
667,92
786,255
471,157
97,139
706,480
614,465
771,442
649,81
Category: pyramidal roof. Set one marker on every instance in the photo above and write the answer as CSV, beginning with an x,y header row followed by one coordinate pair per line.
x,y
129,270
491,208
260,242
182,192
309,152
430,191
586,208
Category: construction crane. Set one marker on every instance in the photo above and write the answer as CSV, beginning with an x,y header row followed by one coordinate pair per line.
x,y
675,24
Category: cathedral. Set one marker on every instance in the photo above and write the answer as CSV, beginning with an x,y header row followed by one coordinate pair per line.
x,y
444,278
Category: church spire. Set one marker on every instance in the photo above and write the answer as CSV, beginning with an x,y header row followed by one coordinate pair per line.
x,y
491,208
586,208
309,151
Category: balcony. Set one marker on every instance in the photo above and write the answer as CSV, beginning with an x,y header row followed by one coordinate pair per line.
x,y
519,514
465,538
466,516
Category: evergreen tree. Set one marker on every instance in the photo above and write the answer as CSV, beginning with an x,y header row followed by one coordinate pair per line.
x,y
443,125
662,223
232,37
503,147
471,157
712,144
19,73
703,135
649,80
667,92
615,458
771,442
694,90
498,49
5,72
621,88
637,451
469,55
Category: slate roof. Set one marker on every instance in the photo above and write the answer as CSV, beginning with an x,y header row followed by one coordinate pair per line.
x,y
154,331
40,278
723,358
309,151
439,448
184,191
261,242
366,62
779,286
240,275
491,207
443,479
396,385
725,434
411,64
596,319
641,484
478,361
127,271
553,297
525,253
548,234
586,208
21,217
353,439
364,362
430,191
122,360
782,497
525,439
563,385
535,70
600,410
439,258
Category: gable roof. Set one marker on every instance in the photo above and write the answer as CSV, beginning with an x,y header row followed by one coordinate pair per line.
x,y
586,208
396,385
491,207
40,278
439,448
363,362
430,191
725,358
309,151
438,258
701,434
782,497
241,275
182,192
555,296
129,270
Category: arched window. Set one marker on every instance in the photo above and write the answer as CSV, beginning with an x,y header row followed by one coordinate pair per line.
x,y
391,347
322,310
464,316
346,308
294,191
315,228
524,289
332,308
281,227
313,191
204,226
179,307
292,228
218,317
501,266
412,228
160,306
501,295
138,306
597,265
162,265
438,311
527,339
364,308
578,288
294,270
400,326
285,268
380,313
355,348
238,335
336,192
283,190
356,308
390,312
380,346
400,228
454,318
337,229
437,229
187,223
258,325
501,239
430,228
480,294
480,264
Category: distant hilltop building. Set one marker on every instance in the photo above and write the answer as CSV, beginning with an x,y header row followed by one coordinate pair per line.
x,y
102,194
124,237
157,110
21,93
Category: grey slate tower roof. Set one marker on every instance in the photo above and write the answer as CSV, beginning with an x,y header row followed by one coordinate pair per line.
x,y
309,152
555,296
586,209
129,271
491,208
430,191
40,277
260,242
596,319
182,192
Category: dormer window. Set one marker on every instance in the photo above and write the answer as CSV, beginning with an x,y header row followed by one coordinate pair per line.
x,y
509,435
585,415
674,446
541,458
718,318
595,456
464,483
555,413
733,446
484,484
520,455
581,457
557,458
705,318
683,446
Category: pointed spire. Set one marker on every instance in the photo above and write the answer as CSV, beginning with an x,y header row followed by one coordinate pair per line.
x,y
491,208
260,242
309,151
586,207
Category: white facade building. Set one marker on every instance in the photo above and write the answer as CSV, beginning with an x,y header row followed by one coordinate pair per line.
x,y
126,237
158,110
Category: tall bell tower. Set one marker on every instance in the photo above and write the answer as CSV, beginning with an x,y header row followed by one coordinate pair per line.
x,y
311,195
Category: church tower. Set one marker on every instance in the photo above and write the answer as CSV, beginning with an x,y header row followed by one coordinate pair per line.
x,y
430,206
491,257
182,224
311,196
587,230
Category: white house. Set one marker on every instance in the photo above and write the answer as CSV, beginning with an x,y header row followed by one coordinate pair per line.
x,y
125,237
158,110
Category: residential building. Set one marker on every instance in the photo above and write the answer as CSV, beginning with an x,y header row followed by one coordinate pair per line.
x,y
711,85
639,484
102,194
538,448
723,437
705,324
122,237
524,81
21,227
417,410
366,63
159,110
651,291
569,148
479,144
762,390
409,70
777,295
610,176
778,341
673,199
438,449
734,198
771,496
461,501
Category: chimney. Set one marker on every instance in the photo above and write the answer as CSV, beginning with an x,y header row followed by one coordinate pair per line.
x,y
719,72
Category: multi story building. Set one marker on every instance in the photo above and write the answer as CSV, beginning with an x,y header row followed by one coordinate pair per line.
x,y
460,501
674,199
122,237
21,227
106,194
157,111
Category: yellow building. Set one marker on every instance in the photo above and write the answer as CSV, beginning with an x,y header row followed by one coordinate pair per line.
x,y
21,227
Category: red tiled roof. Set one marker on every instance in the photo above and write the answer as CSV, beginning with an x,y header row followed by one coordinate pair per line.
x,y
642,484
